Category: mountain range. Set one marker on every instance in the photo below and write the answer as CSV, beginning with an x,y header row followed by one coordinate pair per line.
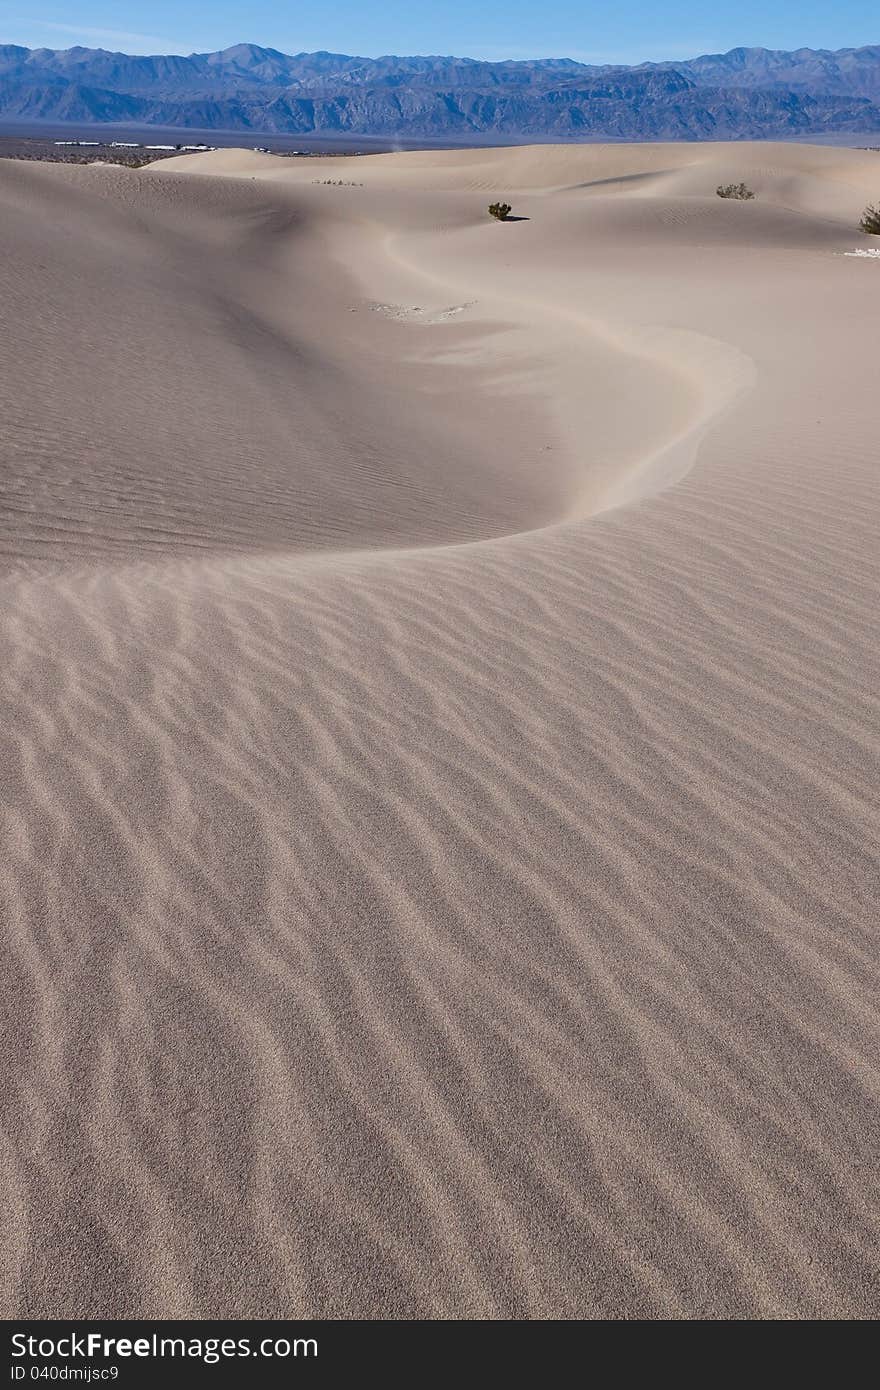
x,y
748,93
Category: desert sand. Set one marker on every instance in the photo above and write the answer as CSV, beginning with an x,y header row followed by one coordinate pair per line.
x,y
440,715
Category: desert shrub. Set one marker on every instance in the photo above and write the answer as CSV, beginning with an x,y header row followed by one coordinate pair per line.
x,y
871,221
734,190
500,210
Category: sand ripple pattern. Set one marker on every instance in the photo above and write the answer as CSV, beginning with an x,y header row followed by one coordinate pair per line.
x,y
373,956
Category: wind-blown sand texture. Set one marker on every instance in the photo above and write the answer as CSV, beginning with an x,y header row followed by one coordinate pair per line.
x,y
441,706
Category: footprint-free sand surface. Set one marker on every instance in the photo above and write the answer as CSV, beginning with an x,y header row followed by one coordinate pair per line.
x,y
440,693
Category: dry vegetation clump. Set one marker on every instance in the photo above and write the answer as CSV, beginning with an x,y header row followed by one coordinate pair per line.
x,y
871,221
734,190
500,210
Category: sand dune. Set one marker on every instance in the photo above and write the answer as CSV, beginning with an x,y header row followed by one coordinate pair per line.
x,y
440,728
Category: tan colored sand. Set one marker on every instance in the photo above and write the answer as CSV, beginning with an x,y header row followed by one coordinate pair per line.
x,y
440,728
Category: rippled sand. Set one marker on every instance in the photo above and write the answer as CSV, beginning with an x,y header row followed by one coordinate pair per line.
x,y
439,668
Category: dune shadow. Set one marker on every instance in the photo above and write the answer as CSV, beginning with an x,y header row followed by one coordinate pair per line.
x,y
641,177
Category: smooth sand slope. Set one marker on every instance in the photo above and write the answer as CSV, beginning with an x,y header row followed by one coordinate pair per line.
x,y
440,722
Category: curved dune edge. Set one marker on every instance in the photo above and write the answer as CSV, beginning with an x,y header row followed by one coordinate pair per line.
x,y
722,376
720,373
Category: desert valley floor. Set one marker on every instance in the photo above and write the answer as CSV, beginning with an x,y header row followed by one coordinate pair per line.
x,y
440,692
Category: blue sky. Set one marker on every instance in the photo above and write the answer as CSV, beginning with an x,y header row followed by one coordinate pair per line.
x,y
582,29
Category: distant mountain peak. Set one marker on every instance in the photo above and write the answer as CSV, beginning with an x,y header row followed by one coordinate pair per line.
x,y
746,92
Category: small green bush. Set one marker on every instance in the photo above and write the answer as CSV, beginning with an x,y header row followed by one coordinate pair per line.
x,y
871,221
500,210
734,190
